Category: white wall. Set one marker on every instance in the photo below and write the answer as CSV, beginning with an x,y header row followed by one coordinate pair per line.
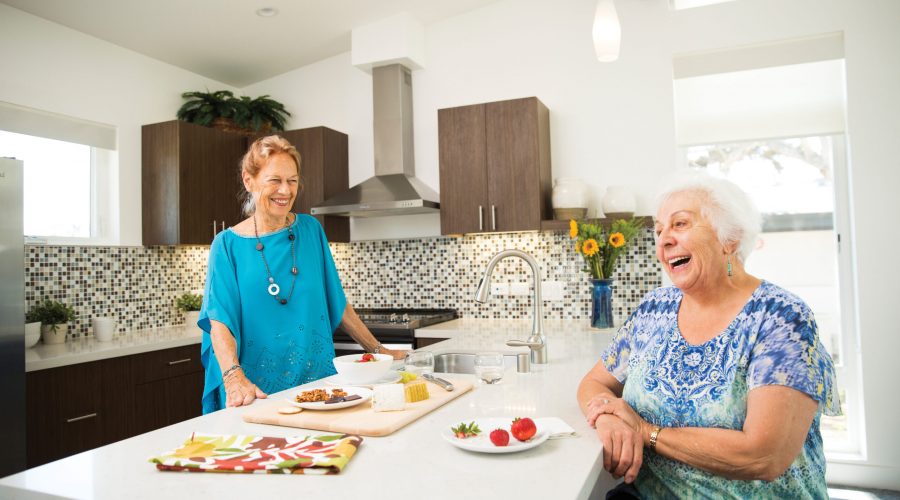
x,y
53,68
613,124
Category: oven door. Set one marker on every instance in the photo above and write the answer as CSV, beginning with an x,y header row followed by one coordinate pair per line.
x,y
389,338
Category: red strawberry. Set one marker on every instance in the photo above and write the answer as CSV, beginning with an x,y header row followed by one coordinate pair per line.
x,y
523,429
366,358
499,437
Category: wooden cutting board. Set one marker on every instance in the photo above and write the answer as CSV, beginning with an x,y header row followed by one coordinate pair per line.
x,y
360,419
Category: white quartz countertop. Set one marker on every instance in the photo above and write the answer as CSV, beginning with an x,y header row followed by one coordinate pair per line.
x,y
86,349
412,463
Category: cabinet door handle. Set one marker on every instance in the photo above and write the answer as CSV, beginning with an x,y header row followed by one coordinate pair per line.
x,y
83,417
480,218
494,217
214,229
178,362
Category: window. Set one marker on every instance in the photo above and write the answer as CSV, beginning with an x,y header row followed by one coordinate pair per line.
x,y
778,132
57,179
792,182
69,170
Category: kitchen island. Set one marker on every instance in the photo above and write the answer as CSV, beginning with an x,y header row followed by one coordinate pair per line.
x,y
414,462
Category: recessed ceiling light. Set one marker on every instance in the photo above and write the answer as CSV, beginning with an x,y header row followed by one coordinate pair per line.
x,y
267,12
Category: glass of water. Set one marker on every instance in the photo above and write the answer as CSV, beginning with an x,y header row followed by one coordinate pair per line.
x,y
489,367
419,362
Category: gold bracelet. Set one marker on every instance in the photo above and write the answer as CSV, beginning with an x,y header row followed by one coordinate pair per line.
x,y
654,435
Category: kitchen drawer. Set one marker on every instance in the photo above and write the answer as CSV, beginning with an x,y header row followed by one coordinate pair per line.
x,y
168,363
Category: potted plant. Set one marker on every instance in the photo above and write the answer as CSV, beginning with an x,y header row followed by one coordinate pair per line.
x,y
32,329
189,303
54,317
221,109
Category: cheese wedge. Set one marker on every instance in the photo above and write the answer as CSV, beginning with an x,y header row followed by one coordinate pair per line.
x,y
388,397
416,391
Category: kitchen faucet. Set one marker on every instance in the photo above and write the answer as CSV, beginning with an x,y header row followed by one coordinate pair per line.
x,y
536,342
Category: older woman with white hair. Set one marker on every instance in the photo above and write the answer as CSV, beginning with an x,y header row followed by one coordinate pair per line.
x,y
722,376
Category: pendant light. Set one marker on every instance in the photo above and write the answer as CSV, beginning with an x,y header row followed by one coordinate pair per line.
x,y
607,31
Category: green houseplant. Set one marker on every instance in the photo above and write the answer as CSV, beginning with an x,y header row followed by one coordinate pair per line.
x,y
189,303
221,109
54,317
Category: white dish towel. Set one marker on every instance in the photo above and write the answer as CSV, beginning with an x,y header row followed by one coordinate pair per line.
x,y
558,427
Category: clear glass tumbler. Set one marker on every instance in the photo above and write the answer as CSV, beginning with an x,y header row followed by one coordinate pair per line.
x,y
419,362
489,367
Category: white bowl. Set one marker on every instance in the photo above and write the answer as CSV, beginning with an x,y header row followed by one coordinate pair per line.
x,y
352,371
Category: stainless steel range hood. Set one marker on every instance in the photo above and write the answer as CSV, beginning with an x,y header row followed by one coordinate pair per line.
x,y
394,190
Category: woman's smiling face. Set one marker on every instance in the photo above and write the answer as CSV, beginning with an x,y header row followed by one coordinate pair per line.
x,y
275,186
686,243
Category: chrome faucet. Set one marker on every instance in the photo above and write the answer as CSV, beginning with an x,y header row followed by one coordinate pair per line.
x,y
536,342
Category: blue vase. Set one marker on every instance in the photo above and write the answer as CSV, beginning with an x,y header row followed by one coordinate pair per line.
x,y
601,304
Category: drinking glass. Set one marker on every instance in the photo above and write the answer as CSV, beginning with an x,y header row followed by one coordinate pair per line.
x,y
419,362
489,367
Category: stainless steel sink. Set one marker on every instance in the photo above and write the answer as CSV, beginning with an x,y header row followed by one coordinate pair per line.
x,y
457,362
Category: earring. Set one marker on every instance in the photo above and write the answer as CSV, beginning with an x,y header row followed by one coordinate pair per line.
x,y
729,267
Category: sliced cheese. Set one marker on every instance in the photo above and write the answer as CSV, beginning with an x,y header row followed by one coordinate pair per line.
x,y
416,391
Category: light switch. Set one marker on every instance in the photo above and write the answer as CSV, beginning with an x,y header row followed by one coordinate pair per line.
x,y
499,288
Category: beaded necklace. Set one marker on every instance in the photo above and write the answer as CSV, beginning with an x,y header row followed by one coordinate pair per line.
x,y
273,287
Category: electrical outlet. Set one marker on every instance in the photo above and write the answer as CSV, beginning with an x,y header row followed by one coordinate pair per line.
x,y
499,288
552,290
518,289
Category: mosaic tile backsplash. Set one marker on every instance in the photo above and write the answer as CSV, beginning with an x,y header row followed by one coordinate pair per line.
x,y
138,285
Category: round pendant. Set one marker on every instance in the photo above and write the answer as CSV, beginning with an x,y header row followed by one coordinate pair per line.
x,y
274,289
259,246
283,301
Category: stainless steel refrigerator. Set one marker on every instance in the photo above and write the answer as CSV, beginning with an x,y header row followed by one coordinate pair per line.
x,y
12,318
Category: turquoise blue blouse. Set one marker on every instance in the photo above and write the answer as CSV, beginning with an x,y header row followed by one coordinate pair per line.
x,y
671,383
278,346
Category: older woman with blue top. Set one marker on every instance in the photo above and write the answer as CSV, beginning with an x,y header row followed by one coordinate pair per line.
x,y
273,295
713,387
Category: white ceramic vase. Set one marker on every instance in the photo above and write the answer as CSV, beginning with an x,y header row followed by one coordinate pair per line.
x,y
570,198
619,202
104,328
51,335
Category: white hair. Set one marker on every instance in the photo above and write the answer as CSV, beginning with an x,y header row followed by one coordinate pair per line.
x,y
726,206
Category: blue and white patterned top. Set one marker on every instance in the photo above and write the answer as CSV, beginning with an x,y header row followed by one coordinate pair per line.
x,y
278,346
671,383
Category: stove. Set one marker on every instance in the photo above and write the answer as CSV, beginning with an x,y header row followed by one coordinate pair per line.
x,y
394,328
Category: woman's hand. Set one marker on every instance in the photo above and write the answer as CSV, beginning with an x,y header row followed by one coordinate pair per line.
x,y
622,431
239,391
395,353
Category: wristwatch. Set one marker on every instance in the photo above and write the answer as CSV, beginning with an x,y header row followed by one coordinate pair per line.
x,y
378,348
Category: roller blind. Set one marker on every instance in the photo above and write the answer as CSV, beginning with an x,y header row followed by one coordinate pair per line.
x,y
781,89
30,121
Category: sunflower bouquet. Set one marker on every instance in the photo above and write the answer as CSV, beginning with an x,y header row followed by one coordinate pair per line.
x,y
601,247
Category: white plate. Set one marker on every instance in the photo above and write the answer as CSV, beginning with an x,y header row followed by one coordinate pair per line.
x,y
365,395
482,442
389,378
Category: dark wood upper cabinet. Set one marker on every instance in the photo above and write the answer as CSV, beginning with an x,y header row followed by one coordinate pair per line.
x,y
495,166
190,182
323,172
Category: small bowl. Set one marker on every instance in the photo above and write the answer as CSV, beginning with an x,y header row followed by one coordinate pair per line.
x,y
351,371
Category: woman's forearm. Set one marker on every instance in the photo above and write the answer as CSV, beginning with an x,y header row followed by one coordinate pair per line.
x,y
223,345
724,452
354,326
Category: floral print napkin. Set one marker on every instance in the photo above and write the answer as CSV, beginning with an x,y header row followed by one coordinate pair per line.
x,y
322,454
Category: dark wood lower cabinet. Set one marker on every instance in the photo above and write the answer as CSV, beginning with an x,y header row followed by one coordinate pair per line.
x,y
79,407
426,342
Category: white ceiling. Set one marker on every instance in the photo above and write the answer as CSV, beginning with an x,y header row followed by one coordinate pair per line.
x,y
224,39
